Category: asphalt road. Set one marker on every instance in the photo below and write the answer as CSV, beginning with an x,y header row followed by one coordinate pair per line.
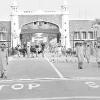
x,y
30,68
39,79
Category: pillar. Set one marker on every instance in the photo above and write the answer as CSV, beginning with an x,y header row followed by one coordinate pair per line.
x,y
65,39
14,24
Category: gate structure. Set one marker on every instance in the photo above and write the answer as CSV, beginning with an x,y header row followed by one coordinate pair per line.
x,y
20,19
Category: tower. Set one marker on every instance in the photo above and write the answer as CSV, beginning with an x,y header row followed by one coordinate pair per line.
x,y
65,39
14,23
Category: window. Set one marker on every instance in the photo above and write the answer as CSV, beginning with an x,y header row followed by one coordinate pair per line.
x,y
1,36
84,35
95,34
76,35
90,35
4,36
79,35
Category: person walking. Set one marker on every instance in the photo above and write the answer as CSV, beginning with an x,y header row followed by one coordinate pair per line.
x,y
24,49
18,50
37,49
3,61
80,54
42,48
87,51
98,53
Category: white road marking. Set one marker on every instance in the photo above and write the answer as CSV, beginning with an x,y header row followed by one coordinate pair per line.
x,y
53,79
87,78
92,84
57,71
61,98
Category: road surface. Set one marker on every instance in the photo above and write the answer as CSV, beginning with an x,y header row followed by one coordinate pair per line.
x,y
39,79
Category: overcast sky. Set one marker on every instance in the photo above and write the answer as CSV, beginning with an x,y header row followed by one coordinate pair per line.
x,y
79,9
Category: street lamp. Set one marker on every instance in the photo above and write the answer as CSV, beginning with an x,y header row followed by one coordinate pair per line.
x,y
65,41
12,44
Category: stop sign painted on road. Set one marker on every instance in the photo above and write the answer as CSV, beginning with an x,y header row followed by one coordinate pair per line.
x,y
20,86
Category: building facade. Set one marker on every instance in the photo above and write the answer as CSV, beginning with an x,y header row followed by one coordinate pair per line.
x,y
5,33
58,18
82,30
26,24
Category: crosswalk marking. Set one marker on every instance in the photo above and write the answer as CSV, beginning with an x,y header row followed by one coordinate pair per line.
x,y
57,71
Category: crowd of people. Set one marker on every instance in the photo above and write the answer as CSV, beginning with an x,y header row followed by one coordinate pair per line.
x,y
83,51
22,50
30,50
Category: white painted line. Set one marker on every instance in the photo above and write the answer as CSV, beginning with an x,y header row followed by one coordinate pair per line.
x,y
31,80
86,78
57,71
25,79
6,80
54,79
61,98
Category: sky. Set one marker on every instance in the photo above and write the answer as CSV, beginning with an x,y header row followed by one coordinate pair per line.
x,y
79,9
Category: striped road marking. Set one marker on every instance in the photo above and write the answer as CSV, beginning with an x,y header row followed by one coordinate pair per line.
x,y
57,71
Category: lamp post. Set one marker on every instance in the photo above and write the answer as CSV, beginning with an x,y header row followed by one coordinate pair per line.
x,y
12,43
73,40
65,41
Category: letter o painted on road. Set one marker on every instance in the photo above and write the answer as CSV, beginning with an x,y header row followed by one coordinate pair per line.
x,y
17,86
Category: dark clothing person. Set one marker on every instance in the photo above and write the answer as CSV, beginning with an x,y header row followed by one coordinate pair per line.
x,y
37,49
24,49
32,50
42,49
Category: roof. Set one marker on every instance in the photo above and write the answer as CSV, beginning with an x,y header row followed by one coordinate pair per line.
x,y
80,25
5,26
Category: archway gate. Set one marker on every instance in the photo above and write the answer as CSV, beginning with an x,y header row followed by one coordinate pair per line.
x,y
39,29
20,18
